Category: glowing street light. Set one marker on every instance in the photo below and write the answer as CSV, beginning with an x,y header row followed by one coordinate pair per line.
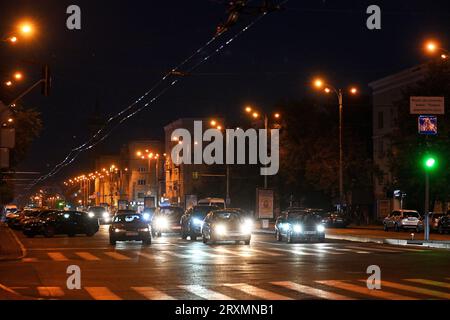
x,y
434,47
213,123
8,83
26,28
327,88
18,76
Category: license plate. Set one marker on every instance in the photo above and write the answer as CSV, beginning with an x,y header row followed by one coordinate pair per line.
x,y
310,232
131,234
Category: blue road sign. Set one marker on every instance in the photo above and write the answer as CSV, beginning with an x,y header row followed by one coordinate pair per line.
x,y
428,125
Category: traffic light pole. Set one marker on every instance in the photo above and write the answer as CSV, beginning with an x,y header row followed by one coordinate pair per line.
x,y
427,208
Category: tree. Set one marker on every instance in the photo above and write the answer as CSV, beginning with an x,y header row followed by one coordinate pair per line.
x,y
408,147
28,125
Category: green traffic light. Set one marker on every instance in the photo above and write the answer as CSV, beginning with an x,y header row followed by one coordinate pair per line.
x,y
430,163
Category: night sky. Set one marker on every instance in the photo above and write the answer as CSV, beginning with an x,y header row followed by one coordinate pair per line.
x,y
124,47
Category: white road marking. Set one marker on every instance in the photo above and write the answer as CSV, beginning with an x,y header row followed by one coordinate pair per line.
x,y
50,291
152,293
205,293
257,292
428,292
87,256
101,293
430,283
322,294
57,256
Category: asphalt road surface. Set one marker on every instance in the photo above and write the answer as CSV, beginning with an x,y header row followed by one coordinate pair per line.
x,y
172,268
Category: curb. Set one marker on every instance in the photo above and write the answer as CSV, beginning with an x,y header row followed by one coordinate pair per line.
x,y
398,242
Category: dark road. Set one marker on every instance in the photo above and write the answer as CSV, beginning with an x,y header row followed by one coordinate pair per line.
x,y
172,268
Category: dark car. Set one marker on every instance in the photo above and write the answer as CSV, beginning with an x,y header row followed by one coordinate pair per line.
x,y
51,223
301,225
23,216
100,213
226,225
167,219
192,221
130,226
335,220
444,224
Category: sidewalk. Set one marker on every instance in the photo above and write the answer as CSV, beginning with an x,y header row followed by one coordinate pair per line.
x,y
10,248
375,234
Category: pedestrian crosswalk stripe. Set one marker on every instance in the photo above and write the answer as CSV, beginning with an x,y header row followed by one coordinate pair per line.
x,y
428,292
57,256
372,249
101,293
264,252
29,260
195,252
431,283
117,256
319,250
152,293
257,292
50,291
205,293
240,254
297,252
178,255
87,256
151,256
322,294
379,294
352,250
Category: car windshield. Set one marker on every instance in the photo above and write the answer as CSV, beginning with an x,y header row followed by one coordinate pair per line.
x,y
308,218
128,218
97,209
202,211
171,211
228,216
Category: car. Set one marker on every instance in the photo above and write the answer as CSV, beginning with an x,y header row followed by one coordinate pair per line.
x,y
335,220
226,225
130,226
17,222
444,224
50,223
218,202
434,218
167,219
403,220
100,213
300,225
192,220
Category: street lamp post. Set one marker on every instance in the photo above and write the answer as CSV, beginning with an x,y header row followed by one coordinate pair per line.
x,y
430,163
320,84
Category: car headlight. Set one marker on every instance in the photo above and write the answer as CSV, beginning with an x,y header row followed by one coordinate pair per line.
x,y
246,228
285,226
320,228
221,230
91,214
143,230
146,216
298,228
105,215
162,223
197,222
118,230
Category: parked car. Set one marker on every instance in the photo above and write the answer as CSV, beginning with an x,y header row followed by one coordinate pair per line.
x,y
300,225
226,225
130,226
100,213
167,219
444,224
23,216
192,221
335,220
434,219
403,220
50,223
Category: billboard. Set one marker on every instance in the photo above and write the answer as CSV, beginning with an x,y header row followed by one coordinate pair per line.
x,y
264,203
427,105
428,125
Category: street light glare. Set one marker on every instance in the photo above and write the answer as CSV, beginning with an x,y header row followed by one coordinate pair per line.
x,y
213,123
318,83
8,83
18,76
353,91
327,90
26,28
13,39
277,116
248,109
255,115
431,46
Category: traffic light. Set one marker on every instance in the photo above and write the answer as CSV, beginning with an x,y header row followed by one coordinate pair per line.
x,y
47,80
430,162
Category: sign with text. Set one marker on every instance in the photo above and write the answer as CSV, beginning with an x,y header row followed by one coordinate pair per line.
x,y
264,203
427,105
428,125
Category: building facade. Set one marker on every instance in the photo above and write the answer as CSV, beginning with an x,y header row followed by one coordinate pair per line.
x,y
386,92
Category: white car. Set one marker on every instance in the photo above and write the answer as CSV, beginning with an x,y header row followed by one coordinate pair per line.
x,y
403,220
